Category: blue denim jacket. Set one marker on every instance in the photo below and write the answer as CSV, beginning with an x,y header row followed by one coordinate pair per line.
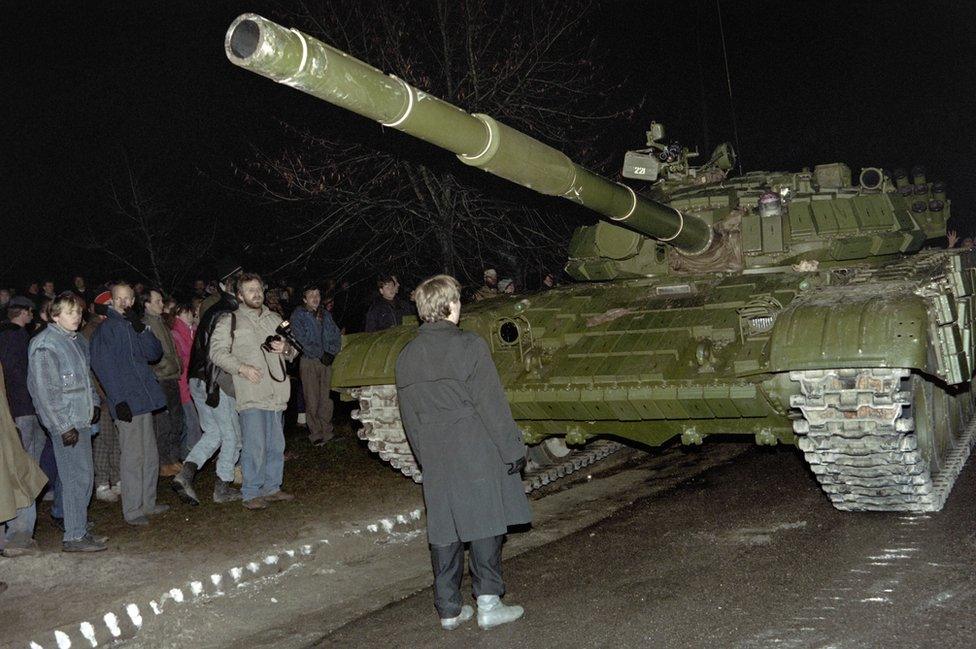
x,y
316,336
59,380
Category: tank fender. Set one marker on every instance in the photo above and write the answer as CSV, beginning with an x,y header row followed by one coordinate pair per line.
x,y
851,328
370,358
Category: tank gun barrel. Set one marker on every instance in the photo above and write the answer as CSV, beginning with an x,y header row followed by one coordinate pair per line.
x,y
296,59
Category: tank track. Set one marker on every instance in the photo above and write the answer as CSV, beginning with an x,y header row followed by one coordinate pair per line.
x,y
383,432
862,447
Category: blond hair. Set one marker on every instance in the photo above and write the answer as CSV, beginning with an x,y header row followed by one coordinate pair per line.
x,y
65,302
434,297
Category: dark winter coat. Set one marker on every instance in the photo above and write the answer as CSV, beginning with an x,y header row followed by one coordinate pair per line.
x,y
201,367
461,430
13,356
384,314
120,358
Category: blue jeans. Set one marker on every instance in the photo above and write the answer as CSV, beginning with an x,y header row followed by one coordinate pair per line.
x,y
263,455
49,466
191,429
77,473
221,429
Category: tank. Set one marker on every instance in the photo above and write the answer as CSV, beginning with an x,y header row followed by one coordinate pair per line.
x,y
809,308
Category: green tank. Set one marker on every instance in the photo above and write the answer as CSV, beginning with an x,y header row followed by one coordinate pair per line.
x,y
807,308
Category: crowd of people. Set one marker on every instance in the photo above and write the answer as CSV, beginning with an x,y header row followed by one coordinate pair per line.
x,y
113,389
105,392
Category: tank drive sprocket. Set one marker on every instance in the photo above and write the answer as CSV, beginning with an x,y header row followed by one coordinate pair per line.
x,y
882,439
382,429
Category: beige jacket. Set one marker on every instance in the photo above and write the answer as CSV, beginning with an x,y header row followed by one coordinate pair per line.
x,y
20,477
231,350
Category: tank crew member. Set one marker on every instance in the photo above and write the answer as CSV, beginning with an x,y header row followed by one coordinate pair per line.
x,y
489,288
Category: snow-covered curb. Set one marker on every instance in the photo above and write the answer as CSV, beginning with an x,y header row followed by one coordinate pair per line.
x,y
124,624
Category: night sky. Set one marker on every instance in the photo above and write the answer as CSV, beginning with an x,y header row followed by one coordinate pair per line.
x,y
88,86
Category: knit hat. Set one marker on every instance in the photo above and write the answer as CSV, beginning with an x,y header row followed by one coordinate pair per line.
x,y
101,302
491,272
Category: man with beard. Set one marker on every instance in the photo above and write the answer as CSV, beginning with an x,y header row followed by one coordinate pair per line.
x,y
245,345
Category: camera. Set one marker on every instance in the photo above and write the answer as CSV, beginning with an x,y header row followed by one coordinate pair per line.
x,y
283,332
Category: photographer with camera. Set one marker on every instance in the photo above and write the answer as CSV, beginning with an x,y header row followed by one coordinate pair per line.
x,y
249,345
321,341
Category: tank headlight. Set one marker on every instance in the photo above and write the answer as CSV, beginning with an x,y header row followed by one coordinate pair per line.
x,y
509,332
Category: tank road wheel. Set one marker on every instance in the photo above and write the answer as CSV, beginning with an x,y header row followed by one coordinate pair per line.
x,y
379,412
549,451
882,439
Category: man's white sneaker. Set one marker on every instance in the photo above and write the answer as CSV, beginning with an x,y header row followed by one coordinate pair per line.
x,y
104,493
451,623
491,612
117,489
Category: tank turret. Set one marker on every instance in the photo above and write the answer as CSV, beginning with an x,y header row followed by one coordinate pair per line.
x,y
296,59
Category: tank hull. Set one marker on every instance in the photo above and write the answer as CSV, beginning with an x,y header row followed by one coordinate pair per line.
x,y
651,360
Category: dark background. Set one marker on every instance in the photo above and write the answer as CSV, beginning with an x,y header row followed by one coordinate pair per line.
x,y
89,86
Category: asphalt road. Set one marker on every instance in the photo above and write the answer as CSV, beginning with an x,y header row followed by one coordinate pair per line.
x,y
749,554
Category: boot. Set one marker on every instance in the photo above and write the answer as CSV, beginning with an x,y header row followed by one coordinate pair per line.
x,y
224,492
451,623
183,484
491,612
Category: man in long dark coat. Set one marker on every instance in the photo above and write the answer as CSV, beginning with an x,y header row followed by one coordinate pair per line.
x,y
461,430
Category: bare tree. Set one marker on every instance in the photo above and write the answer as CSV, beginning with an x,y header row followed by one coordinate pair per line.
x,y
356,206
140,236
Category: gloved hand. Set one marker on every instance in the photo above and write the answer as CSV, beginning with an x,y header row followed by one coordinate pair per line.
x,y
135,321
123,412
327,359
516,467
69,437
96,415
